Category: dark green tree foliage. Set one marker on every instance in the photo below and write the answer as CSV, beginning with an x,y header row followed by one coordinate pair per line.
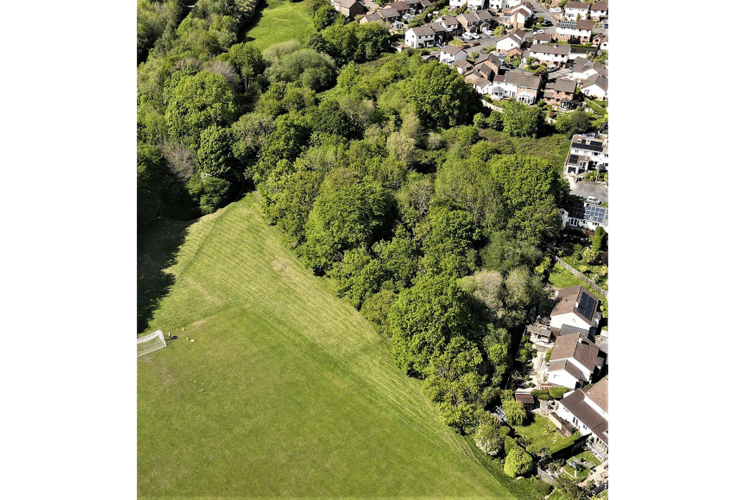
x,y
424,319
287,198
349,212
566,487
599,239
399,258
376,308
503,253
247,61
576,122
521,120
249,134
331,119
214,155
532,188
358,276
517,462
324,17
196,103
285,143
441,96
351,42
210,193
468,184
288,62
151,184
449,246
414,199
514,412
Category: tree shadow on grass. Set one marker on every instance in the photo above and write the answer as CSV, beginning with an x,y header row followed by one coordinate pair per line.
x,y
157,249
253,22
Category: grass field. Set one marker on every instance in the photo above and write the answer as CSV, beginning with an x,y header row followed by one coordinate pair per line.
x,y
279,21
286,390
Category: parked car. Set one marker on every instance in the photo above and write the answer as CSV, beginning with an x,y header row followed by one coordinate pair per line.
x,y
593,200
475,35
467,36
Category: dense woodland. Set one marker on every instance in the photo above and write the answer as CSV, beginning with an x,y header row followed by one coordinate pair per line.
x,y
383,171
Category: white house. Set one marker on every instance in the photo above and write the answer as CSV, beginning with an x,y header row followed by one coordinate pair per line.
x,y
419,37
449,22
500,5
577,307
456,4
574,360
599,10
549,54
517,85
595,86
587,410
476,4
511,41
584,215
582,69
449,54
574,9
578,31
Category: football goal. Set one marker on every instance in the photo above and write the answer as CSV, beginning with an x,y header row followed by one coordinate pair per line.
x,y
150,343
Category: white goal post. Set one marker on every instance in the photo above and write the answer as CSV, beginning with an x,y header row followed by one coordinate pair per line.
x,y
150,343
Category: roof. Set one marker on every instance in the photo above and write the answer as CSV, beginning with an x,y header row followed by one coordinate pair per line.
x,y
422,30
577,5
346,3
463,64
451,50
584,24
398,5
524,397
563,364
599,6
593,420
575,347
598,394
516,77
468,17
436,27
488,57
388,12
448,20
578,300
538,330
561,85
569,329
373,17
593,213
543,37
560,50
597,80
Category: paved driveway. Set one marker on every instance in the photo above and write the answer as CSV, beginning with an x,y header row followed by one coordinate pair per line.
x,y
588,188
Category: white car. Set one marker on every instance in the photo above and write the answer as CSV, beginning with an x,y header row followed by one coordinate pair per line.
x,y
475,35
467,35
593,200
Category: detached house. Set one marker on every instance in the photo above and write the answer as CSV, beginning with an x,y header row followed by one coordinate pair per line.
x,y
599,10
542,38
574,9
595,86
389,14
584,215
582,69
469,21
574,31
500,5
560,93
516,17
349,8
517,85
450,23
449,54
419,37
371,18
577,307
512,41
587,411
574,360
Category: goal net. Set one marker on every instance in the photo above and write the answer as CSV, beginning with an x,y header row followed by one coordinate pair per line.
x,y
150,343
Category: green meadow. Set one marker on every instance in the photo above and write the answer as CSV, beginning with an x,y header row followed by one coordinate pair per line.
x,y
285,391
278,21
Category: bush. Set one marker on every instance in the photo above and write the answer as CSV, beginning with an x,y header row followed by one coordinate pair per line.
x,y
548,354
557,392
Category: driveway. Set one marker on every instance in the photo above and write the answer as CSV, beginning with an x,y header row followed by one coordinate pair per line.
x,y
588,188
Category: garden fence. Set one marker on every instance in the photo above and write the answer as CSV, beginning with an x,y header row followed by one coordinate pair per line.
x,y
581,276
544,475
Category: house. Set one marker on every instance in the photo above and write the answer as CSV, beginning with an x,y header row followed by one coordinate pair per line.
x,y
478,81
560,93
576,306
603,45
449,54
584,215
527,400
598,38
574,9
440,32
549,54
469,21
587,411
582,69
349,8
515,17
401,8
518,85
389,14
499,5
419,37
476,4
574,31
512,41
599,10
456,4
371,18
574,359
449,23
463,67
595,86
542,38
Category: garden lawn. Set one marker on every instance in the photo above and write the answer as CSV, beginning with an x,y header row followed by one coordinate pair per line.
x,y
285,391
542,432
278,21
561,278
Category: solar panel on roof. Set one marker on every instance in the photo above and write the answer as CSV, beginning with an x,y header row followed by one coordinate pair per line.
x,y
586,306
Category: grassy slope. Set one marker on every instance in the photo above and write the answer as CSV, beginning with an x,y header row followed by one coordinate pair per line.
x,y
279,21
287,391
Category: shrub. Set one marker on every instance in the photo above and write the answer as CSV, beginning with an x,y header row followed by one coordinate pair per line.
x,y
557,392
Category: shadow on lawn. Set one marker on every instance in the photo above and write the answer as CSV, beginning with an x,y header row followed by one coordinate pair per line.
x,y
157,248
253,22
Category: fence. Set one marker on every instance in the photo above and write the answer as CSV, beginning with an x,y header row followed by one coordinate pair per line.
x,y
544,475
493,107
581,276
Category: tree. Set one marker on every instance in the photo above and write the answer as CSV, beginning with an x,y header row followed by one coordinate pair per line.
x,y
248,63
424,319
514,412
196,103
324,17
567,488
441,96
214,155
358,276
576,122
521,120
487,436
517,462
449,246
599,239
349,212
